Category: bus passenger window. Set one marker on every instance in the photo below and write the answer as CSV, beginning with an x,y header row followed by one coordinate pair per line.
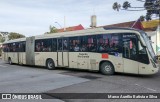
x,y
84,43
133,48
65,44
103,43
142,54
130,49
22,46
130,46
4,46
101,47
76,48
37,47
74,44
43,45
84,48
54,45
92,43
115,44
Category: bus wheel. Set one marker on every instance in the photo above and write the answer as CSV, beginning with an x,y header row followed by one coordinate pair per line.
x,y
10,61
50,64
107,68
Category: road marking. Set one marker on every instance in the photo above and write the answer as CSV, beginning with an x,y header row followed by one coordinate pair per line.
x,y
146,87
2,66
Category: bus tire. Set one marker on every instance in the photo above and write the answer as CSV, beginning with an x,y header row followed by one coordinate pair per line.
x,y
10,61
50,64
107,68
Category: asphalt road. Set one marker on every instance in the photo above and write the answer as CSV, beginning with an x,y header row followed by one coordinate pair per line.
x,y
26,79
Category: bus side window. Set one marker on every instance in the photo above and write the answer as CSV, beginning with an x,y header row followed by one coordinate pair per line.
x,y
54,45
4,46
130,46
142,54
59,44
46,45
65,44
92,43
23,46
38,46
115,43
17,46
83,42
74,44
103,43
88,43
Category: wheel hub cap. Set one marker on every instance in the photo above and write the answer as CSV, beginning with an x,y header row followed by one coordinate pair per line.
x,y
108,68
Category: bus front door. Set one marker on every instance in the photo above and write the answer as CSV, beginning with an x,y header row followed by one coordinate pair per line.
x,y
62,52
130,55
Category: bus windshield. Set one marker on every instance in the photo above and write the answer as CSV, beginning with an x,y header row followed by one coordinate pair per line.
x,y
148,45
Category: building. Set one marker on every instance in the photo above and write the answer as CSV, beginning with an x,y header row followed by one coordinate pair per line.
x,y
152,37
153,31
73,28
146,26
130,24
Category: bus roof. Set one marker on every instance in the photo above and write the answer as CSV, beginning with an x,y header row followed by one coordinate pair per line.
x,y
15,40
89,31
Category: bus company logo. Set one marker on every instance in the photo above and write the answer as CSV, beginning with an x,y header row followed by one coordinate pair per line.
x,y
6,96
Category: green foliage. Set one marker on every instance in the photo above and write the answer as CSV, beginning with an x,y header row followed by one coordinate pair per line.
x,y
53,29
142,18
11,35
151,6
2,39
14,35
126,5
116,6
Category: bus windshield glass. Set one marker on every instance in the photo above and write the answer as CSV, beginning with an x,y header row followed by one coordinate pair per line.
x,y
148,45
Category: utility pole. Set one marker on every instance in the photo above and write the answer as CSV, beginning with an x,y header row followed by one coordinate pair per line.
x,y
64,23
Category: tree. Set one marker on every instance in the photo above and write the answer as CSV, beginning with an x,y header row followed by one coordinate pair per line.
x,y
2,39
52,29
14,35
11,35
151,6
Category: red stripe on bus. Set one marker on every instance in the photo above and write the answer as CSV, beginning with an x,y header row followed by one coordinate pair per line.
x,y
105,56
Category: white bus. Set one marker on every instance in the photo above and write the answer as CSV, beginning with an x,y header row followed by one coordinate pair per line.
x,y
158,42
107,50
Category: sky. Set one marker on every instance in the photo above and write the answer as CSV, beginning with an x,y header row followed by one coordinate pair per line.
x,y
33,17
